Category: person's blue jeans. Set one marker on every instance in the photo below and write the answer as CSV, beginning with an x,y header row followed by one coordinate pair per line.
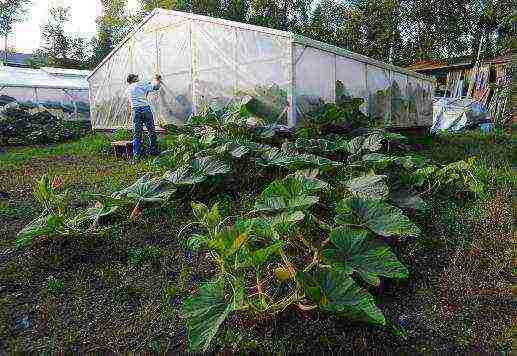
x,y
143,116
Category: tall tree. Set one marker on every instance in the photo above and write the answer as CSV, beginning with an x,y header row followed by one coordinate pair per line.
x,y
11,12
325,21
236,10
59,48
112,25
286,15
180,5
436,28
379,27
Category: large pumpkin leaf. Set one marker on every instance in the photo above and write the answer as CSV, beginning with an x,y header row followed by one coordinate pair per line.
x,y
207,310
45,225
379,160
310,183
355,252
358,144
373,143
255,258
292,160
147,190
320,145
369,187
271,227
421,175
197,171
230,239
279,203
290,194
408,200
335,291
100,211
379,217
354,145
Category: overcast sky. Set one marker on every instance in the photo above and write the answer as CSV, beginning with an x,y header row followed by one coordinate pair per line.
x,y
27,35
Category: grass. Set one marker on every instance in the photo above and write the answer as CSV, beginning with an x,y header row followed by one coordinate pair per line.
x,y
123,291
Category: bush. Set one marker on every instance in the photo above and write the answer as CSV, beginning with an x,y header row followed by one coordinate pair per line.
x,y
20,127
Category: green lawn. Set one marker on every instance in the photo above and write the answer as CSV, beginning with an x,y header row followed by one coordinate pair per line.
x,y
123,291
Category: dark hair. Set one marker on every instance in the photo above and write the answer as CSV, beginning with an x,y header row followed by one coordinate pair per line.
x,y
131,78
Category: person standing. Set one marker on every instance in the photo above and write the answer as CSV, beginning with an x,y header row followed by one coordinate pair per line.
x,y
141,113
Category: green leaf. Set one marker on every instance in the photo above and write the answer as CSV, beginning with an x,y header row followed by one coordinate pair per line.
x,y
147,190
373,142
320,145
421,175
229,239
333,290
369,187
355,145
381,218
197,171
271,227
379,159
45,225
195,242
411,162
97,213
207,310
292,160
290,193
258,257
407,200
280,203
355,252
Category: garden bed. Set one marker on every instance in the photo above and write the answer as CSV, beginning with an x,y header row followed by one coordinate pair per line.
x,y
124,291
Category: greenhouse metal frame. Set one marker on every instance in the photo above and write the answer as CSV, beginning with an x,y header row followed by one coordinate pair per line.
x,y
209,61
53,88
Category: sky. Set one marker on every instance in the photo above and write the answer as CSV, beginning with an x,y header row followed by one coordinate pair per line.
x,y
26,35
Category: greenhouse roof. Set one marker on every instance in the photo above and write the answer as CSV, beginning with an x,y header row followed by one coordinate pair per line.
x,y
46,77
294,38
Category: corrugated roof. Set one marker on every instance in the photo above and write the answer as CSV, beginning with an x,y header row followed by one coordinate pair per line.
x,y
438,64
40,78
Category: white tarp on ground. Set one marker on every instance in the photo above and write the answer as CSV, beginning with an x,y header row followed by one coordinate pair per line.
x,y
456,114
210,61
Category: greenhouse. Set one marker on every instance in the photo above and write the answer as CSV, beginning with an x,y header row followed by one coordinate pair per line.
x,y
63,91
208,61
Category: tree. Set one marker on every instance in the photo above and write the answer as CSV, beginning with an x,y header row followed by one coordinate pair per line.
x,y
235,10
379,27
435,29
179,5
287,15
112,26
59,48
325,20
11,12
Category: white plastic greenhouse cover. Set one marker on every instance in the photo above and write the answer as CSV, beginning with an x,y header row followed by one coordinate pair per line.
x,y
209,61
45,85
46,77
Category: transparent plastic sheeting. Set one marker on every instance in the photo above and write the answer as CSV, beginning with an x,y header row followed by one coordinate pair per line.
x,y
206,61
201,63
398,99
457,114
